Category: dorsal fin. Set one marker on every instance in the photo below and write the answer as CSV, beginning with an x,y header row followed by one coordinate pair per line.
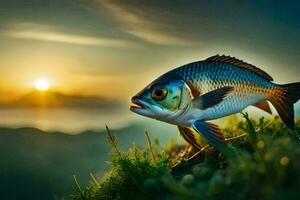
x,y
239,63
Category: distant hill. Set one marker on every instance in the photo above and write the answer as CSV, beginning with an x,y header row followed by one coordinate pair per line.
x,y
39,165
55,99
36,164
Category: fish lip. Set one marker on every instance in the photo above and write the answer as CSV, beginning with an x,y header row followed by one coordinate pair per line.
x,y
138,104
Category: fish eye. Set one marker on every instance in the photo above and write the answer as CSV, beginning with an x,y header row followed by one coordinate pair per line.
x,y
159,93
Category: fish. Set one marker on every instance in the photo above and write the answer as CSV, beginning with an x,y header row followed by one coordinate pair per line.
x,y
192,95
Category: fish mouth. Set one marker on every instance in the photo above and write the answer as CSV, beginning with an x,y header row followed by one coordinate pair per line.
x,y
141,107
144,107
138,104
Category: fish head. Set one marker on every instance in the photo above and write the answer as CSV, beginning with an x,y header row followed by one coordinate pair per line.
x,y
163,99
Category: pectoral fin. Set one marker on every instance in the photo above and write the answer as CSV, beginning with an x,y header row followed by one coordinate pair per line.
x,y
211,98
263,106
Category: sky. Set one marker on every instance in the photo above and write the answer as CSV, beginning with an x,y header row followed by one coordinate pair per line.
x,y
114,48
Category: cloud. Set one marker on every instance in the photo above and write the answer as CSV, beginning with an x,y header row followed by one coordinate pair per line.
x,y
44,33
141,23
157,37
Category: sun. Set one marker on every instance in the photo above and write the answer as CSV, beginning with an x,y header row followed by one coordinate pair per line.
x,y
41,84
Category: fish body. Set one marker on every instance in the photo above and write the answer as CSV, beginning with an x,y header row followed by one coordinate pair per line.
x,y
219,86
205,76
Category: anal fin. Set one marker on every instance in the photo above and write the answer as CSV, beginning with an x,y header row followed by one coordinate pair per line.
x,y
210,132
264,105
214,137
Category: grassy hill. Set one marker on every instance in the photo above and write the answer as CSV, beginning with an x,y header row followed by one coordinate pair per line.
x,y
263,164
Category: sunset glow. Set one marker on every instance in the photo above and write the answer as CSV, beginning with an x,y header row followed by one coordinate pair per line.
x,y
41,84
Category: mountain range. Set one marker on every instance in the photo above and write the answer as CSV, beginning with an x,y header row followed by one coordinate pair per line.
x,y
56,99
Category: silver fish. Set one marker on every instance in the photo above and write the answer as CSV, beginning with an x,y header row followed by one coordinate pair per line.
x,y
195,93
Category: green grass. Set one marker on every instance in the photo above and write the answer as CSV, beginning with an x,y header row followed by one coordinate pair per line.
x,y
265,165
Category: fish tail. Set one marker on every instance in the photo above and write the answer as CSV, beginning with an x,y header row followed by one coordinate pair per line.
x,y
283,98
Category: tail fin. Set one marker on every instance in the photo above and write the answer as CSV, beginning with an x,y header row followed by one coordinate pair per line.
x,y
283,100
